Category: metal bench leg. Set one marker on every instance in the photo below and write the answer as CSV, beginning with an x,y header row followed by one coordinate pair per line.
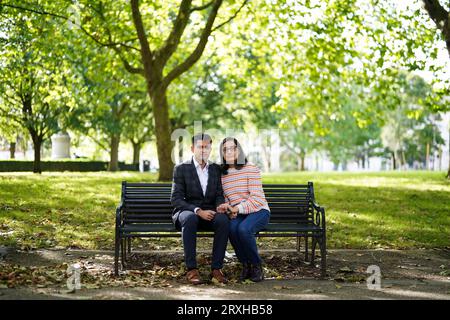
x,y
313,250
123,252
298,243
116,254
323,257
129,245
306,249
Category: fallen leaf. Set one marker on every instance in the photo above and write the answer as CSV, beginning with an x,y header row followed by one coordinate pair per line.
x,y
278,287
216,282
345,269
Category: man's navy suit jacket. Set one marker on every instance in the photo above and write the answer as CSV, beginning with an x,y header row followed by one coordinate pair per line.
x,y
187,193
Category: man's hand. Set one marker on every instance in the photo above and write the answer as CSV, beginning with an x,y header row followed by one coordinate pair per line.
x,y
207,215
232,211
222,208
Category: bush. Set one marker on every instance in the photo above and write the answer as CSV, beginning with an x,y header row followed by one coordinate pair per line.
x,y
63,165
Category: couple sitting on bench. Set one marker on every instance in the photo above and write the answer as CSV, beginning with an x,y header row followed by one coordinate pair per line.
x,y
227,199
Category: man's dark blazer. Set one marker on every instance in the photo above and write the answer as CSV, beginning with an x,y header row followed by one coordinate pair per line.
x,y
187,193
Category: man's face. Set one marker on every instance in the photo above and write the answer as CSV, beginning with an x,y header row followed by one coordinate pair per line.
x,y
201,150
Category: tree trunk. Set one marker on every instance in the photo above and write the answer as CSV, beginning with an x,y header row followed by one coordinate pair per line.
x,y
448,172
37,143
394,163
335,166
154,63
12,150
265,159
440,16
403,159
114,153
136,152
164,144
302,162
427,157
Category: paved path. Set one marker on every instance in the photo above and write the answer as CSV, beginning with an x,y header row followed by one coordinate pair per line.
x,y
408,274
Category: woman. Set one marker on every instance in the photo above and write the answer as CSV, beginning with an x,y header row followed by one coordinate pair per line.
x,y
246,204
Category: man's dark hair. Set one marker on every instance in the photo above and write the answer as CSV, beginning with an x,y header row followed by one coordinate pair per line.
x,y
202,137
240,162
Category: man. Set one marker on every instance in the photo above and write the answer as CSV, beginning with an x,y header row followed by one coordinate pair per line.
x,y
196,196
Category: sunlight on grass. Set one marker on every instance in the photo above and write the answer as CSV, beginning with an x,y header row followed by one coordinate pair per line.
x,y
363,210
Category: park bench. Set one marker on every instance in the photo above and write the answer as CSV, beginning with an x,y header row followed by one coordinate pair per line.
x,y
145,211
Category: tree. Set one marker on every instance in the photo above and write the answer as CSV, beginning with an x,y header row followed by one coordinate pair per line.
x,y
107,101
32,82
440,16
162,59
138,125
11,132
410,128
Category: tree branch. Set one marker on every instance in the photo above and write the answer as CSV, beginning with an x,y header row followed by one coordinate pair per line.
x,y
43,12
146,53
174,37
437,13
101,14
203,7
117,49
232,17
126,64
293,149
196,54
8,115
440,17
98,142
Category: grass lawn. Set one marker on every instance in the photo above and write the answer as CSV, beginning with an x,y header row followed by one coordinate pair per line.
x,y
363,210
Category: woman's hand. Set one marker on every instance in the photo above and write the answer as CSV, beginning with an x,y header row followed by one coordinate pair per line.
x,y
222,208
232,211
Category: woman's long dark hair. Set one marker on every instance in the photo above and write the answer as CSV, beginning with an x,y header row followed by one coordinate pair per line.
x,y
239,162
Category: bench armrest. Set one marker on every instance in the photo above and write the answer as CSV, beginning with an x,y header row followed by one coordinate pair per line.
x,y
119,215
319,217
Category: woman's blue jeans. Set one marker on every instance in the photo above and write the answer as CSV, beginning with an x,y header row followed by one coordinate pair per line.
x,y
242,235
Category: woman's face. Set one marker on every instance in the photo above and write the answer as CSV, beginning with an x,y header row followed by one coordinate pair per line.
x,y
230,152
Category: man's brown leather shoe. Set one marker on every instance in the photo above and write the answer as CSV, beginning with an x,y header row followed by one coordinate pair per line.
x,y
193,277
218,276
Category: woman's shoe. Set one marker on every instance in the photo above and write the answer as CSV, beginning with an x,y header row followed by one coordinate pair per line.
x,y
256,273
245,273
